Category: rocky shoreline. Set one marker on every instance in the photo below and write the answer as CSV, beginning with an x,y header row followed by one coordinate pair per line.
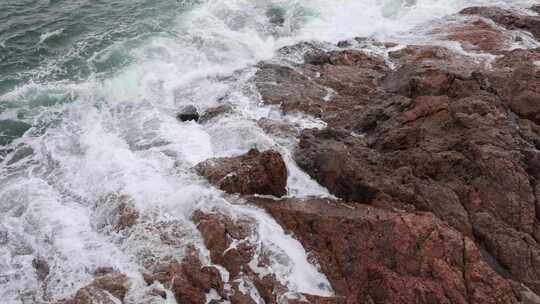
x,y
433,156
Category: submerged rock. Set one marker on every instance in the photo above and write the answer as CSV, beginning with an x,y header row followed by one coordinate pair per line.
x,y
214,112
252,173
188,113
42,267
11,130
276,16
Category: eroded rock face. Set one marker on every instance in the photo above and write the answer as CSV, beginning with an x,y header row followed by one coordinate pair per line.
x,y
509,19
373,255
440,132
252,173
517,80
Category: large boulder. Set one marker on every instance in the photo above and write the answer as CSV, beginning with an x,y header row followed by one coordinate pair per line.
x,y
252,173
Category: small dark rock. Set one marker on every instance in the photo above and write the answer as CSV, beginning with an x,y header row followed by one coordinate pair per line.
x,y
188,113
344,44
42,268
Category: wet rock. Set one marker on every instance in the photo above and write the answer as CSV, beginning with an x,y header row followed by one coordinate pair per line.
x,y
158,293
344,44
118,212
214,112
11,130
511,20
102,271
281,85
230,245
4,237
331,163
372,255
252,173
188,113
189,280
276,16
219,231
525,295
310,299
19,154
278,128
439,133
317,57
476,35
107,289
327,86
431,71
115,283
516,80
42,268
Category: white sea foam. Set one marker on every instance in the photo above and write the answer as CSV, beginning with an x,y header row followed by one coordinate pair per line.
x,y
43,37
120,135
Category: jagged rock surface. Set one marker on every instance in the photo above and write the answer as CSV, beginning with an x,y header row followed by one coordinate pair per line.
x,y
252,173
435,131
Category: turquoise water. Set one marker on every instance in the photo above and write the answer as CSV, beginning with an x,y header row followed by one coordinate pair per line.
x,y
44,41
61,40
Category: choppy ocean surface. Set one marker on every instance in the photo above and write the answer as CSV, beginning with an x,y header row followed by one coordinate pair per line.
x,y
89,90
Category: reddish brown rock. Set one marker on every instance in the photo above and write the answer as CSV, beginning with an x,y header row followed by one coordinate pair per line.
x,y
325,88
372,255
189,280
439,133
219,232
253,173
432,71
105,289
477,35
509,19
